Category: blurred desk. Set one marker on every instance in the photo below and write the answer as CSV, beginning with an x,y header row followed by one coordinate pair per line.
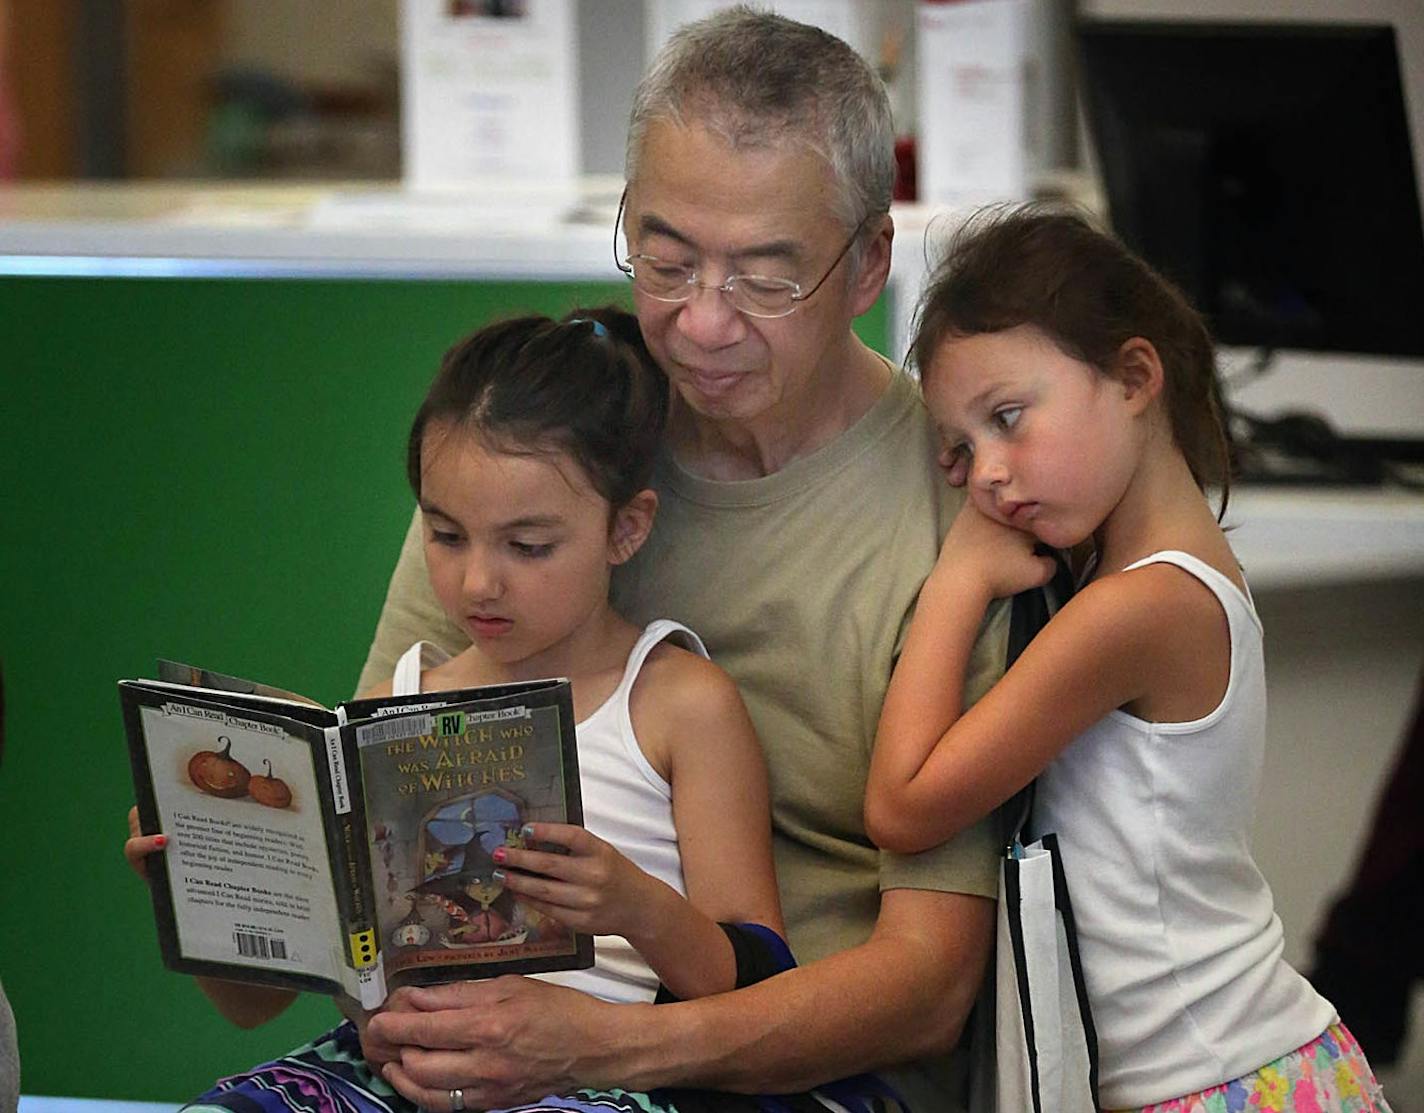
x,y
1301,536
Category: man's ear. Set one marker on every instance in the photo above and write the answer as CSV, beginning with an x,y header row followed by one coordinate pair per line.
x,y
874,270
1138,371
631,526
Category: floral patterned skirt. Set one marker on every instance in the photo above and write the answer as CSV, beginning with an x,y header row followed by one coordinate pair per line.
x,y
1328,1075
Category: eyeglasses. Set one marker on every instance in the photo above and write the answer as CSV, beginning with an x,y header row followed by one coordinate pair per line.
x,y
755,295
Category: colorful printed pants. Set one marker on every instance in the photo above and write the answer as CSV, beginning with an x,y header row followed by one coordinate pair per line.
x,y
329,1075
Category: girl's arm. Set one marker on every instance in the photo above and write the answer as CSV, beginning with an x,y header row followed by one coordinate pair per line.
x,y
247,1006
937,768
688,710
722,810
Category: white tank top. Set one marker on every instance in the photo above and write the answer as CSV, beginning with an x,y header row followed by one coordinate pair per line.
x,y
625,803
1180,941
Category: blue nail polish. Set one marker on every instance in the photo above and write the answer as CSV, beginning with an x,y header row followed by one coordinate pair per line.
x,y
498,875
527,830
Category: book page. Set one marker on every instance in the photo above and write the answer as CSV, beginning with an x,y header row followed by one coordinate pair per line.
x,y
191,676
246,861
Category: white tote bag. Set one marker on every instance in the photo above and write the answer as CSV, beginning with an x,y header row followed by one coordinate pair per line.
x,y
1034,1047
1046,1049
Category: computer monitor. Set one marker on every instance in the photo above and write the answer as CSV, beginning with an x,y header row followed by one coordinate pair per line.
x,y
1267,167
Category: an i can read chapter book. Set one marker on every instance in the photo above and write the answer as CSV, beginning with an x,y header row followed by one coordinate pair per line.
x,y
348,851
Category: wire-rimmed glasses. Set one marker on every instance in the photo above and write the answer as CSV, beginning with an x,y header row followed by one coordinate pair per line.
x,y
756,295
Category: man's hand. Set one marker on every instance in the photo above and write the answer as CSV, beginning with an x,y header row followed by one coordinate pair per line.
x,y
503,1041
374,1050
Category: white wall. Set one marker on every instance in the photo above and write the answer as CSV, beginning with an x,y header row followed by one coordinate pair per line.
x,y
1342,663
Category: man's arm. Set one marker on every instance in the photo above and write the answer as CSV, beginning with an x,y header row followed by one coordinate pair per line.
x,y
901,995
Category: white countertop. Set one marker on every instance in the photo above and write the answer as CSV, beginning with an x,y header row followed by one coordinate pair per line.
x,y
357,230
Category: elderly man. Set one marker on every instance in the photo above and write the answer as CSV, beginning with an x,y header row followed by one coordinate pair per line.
x,y
800,511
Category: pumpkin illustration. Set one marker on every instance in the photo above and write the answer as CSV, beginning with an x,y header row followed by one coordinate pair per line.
x,y
270,790
219,773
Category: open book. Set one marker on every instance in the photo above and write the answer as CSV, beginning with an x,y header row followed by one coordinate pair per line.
x,y
348,851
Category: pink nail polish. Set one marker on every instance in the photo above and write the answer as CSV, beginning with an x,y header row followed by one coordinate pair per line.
x,y
160,841
499,854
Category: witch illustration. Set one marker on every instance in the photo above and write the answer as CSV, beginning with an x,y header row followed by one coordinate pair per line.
x,y
456,868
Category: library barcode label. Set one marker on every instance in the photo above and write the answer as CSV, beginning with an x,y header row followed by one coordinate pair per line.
x,y
250,945
388,730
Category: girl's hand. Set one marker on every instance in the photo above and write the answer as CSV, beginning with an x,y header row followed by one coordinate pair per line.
x,y
592,888
139,846
1001,560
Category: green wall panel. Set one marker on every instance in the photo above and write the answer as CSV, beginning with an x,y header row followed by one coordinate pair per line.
x,y
210,470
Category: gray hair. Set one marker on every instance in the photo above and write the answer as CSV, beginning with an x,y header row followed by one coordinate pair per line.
x,y
759,80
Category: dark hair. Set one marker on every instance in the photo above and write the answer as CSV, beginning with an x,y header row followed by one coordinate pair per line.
x,y
1050,268
585,385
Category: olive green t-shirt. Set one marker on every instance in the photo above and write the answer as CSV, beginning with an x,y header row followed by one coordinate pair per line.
x,y
801,584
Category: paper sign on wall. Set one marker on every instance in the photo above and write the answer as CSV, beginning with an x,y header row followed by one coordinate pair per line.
x,y
988,75
488,91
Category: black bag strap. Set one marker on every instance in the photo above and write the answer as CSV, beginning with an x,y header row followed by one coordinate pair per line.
x,y
1029,612
1075,961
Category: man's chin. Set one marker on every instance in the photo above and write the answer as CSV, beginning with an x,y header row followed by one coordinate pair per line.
x,y
706,390
734,406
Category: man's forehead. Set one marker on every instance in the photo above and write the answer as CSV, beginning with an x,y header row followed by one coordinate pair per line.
x,y
692,183
729,226
775,241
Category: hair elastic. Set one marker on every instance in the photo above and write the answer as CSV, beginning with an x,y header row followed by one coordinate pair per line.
x,y
599,328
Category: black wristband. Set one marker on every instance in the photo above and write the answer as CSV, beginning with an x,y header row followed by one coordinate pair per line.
x,y
758,951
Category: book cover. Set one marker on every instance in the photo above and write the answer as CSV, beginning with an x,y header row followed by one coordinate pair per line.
x,y
347,851
449,787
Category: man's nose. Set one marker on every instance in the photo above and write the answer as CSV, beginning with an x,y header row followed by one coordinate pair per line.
x,y
709,319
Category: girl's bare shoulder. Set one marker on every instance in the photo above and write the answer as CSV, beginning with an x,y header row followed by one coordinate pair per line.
x,y
681,698
1148,602
680,682
1172,628
378,691
461,671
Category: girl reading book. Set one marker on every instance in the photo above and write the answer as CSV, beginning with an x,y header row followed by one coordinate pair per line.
x,y
530,458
